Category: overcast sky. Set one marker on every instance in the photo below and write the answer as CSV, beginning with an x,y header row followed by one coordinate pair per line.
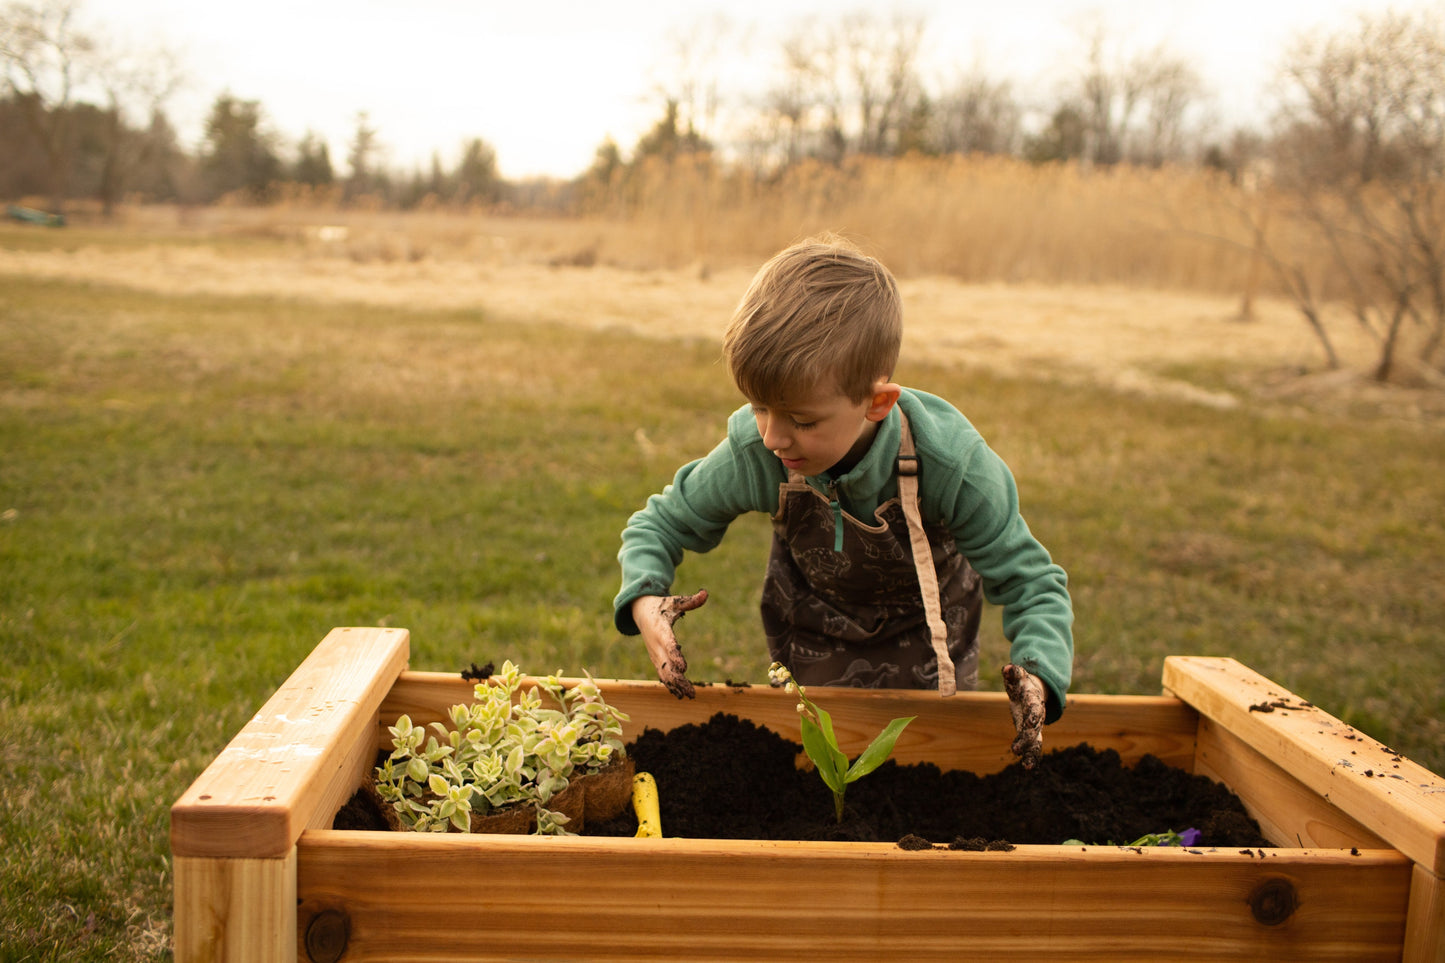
x,y
545,82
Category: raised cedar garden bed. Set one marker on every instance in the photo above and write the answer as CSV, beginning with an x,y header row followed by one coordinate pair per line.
x,y
1354,873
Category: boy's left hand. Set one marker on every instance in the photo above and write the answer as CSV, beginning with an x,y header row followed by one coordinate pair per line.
x,y
1026,703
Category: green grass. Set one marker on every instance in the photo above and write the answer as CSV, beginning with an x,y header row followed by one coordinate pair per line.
x,y
193,491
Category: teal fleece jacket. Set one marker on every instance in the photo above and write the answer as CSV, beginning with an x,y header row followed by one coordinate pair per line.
x,y
963,487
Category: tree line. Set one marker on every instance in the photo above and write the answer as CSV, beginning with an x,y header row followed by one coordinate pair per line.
x,y
849,86
84,118
1355,150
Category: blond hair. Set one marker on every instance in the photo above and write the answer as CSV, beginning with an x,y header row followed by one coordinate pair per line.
x,y
818,315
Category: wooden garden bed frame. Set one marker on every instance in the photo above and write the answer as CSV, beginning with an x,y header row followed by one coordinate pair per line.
x,y
1356,875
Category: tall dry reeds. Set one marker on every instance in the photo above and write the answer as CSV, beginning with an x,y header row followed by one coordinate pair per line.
x,y
978,219
975,218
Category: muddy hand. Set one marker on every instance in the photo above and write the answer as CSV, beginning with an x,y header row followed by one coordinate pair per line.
x,y
1026,703
656,619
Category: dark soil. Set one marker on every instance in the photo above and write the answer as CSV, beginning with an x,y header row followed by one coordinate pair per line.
x,y
731,779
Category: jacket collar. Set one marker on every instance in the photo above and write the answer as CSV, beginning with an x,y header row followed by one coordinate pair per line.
x,y
876,467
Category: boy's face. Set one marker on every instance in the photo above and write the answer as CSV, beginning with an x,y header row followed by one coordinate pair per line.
x,y
823,429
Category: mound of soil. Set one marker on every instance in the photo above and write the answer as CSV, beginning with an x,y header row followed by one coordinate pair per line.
x,y
729,778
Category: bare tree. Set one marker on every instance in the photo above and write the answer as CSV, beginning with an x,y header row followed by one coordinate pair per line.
x,y
1108,96
814,66
48,62
1171,86
1132,108
690,76
46,58
1360,154
137,85
787,106
846,86
880,64
977,115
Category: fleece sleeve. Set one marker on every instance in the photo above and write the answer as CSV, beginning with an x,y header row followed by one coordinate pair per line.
x,y
1018,574
690,515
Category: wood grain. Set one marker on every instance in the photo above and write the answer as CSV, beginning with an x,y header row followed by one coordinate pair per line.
x,y
1425,925
1289,813
425,898
1398,800
970,731
299,758
235,910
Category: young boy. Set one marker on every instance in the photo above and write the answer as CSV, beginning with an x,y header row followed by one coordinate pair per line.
x,y
891,516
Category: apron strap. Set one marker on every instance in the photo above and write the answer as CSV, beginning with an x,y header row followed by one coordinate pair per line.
x,y
923,558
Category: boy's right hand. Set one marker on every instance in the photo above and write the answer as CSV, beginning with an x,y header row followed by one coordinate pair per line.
x,y
655,616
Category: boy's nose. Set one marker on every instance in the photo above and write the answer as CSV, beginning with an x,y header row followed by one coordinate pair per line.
x,y
775,439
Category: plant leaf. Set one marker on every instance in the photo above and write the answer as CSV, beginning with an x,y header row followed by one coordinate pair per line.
x,y
825,722
879,750
824,755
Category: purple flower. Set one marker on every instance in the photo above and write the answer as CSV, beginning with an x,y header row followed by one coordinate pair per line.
x,y
1190,837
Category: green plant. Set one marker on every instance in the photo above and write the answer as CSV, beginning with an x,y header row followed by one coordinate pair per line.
x,y
505,748
821,744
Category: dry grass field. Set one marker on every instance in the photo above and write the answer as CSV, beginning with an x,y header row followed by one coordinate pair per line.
x,y
1144,341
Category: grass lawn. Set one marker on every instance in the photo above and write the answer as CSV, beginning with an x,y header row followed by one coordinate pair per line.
x,y
194,490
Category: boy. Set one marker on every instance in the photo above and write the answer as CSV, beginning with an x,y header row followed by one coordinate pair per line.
x,y
891,516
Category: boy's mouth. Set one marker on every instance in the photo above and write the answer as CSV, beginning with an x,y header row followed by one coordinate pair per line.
x,y
791,463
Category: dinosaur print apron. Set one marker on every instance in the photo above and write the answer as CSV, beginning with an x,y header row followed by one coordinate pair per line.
x,y
878,611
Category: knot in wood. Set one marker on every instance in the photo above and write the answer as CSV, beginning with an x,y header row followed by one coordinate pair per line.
x,y
1273,901
327,935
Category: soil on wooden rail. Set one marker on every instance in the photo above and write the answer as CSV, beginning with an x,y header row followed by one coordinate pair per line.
x,y
731,779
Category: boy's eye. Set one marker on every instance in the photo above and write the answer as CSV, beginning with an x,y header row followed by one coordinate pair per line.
x,y
761,412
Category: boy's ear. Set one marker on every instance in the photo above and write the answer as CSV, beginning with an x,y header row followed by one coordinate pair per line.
x,y
885,396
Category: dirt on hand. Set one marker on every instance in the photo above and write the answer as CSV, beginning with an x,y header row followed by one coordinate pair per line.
x,y
1026,704
672,666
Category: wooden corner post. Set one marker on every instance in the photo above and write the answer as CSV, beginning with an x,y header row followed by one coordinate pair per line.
x,y
234,831
1314,779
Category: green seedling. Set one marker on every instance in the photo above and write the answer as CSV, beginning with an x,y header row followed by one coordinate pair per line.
x,y
821,745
